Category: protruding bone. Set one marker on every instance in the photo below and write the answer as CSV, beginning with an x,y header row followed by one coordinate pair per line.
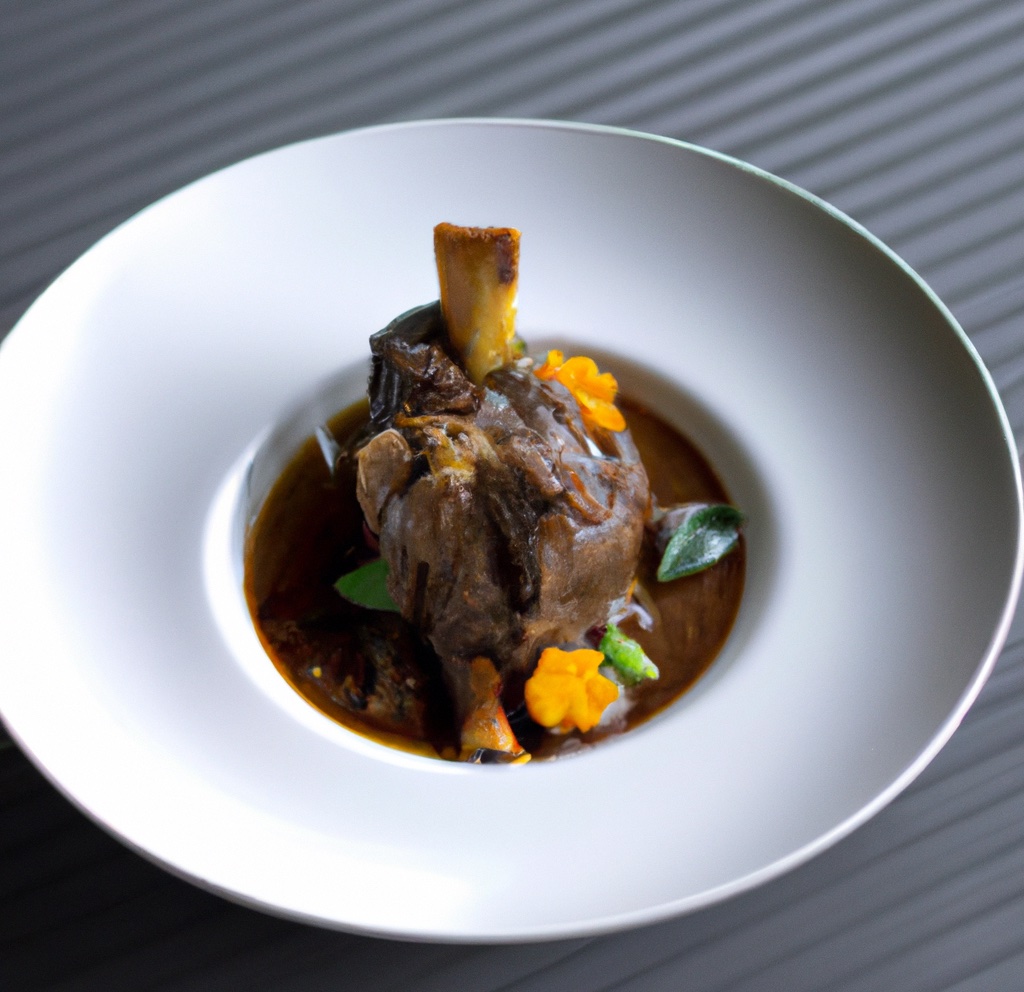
x,y
478,269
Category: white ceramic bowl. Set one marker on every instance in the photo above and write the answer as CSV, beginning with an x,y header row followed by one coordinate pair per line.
x,y
846,411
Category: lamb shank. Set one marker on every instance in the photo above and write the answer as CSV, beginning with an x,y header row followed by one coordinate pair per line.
x,y
509,519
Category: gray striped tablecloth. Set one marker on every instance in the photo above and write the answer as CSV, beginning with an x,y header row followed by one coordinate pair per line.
x,y
907,114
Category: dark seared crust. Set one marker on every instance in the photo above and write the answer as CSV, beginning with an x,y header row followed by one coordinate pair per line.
x,y
412,371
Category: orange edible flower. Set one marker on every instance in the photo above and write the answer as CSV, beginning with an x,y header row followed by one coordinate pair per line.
x,y
566,690
594,391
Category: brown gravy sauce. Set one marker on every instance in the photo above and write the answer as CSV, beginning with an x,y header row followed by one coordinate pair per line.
x,y
310,531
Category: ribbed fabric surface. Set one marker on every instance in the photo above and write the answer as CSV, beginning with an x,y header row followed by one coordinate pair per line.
x,y
907,114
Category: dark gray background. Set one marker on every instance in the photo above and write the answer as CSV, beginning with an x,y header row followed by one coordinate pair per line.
x,y
907,114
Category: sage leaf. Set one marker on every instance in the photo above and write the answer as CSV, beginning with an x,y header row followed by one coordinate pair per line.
x,y
368,586
705,535
626,657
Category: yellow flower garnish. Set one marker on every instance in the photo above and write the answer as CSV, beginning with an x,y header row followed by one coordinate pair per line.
x,y
566,690
594,391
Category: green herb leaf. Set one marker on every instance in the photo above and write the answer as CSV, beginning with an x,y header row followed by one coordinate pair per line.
x,y
626,657
368,586
707,533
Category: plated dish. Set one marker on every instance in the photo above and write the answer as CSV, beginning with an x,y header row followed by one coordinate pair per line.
x,y
473,561
169,375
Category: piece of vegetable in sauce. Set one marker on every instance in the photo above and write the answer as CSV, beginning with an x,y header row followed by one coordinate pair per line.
x,y
567,690
626,657
367,586
485,726
695,537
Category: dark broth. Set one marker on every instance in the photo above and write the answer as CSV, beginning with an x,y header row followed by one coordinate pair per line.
x,y
310,531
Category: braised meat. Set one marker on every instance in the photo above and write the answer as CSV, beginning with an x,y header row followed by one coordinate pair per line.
x,y
507,522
